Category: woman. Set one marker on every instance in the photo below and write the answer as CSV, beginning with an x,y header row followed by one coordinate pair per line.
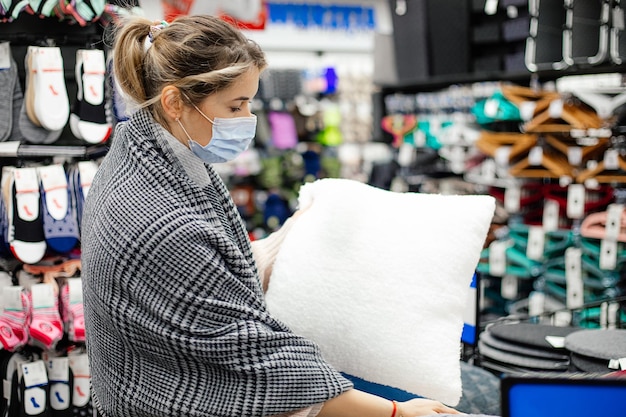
x,y
175,316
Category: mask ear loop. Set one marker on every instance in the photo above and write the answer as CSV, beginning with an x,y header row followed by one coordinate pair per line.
x,y
184,130
197,109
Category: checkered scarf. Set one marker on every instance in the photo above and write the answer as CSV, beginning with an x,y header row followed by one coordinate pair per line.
x,y
175,316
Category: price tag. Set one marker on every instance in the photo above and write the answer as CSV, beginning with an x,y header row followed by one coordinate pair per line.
x,y
512,198
497,258
550,216
527,110
58,369
509,287
608,254
576,201
12,298
536,302
75,290
536,242
42,295
613,225
34,373
574,278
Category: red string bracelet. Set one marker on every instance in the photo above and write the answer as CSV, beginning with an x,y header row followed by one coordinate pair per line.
x,y
395,408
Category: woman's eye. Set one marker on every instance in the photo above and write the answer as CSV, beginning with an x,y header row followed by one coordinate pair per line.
x,y
235,109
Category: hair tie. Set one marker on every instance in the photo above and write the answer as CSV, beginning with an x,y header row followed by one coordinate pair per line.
x,y
154,30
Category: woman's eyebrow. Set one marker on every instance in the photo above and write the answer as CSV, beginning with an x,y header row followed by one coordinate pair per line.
x,y
242,98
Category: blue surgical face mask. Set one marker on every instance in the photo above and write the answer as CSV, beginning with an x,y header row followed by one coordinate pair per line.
x,y
230,137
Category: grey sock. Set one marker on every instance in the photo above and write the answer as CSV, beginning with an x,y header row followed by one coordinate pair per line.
x,y
34,134
8,79
18,100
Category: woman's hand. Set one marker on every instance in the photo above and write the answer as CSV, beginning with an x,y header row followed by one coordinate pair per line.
x,y
423,407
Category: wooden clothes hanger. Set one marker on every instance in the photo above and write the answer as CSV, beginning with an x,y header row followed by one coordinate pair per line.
x,y
611,169
541,163
490,143
523,96
586,152
563,116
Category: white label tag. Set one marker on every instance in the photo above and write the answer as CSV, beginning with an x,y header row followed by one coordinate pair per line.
x,y
75,290
12,298
550,216
93,61
622,364
488,170
556,342
575,155
612,315
512,199
502,156
491,107
59,369
87,170
536,242
603,316
611,159
608,254
497,258
573,278
536,301
52,177
405,155
26,180
80,365
42,295
527,110
613,225
576,201
34,373
48,58
535,156
555,110
5,55
509,287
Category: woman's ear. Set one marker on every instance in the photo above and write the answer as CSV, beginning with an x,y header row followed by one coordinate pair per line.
x,y
171,102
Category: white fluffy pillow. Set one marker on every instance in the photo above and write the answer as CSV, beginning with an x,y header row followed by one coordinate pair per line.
x,y
380,281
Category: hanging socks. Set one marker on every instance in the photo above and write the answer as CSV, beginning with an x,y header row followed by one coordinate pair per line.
x,y
88,120
60,380
46,92
46,327
14,318
26,235
8,78
73,315
59,223
29,124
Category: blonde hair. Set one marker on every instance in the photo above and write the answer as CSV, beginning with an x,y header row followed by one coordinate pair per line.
x,y
200,55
